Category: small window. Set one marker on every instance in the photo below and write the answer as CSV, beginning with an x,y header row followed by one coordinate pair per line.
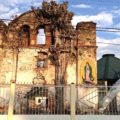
x,y
41,63
41,36
39,100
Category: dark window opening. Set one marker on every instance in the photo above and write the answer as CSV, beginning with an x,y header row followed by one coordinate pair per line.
x,y
39,100
25,36
41,36
53,39
41,63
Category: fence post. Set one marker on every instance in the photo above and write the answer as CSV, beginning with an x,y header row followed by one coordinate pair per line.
x,y
11,101
12,85
73,101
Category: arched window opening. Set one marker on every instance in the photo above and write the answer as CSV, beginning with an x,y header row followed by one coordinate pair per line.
x,y
25,36
53,39
41,36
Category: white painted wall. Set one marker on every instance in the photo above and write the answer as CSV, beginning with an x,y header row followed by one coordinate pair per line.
x,y
62,117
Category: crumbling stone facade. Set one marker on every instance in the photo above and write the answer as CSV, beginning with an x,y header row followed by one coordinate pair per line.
x,y
68,54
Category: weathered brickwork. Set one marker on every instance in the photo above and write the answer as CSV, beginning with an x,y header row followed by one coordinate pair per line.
x,y
68,55
86,49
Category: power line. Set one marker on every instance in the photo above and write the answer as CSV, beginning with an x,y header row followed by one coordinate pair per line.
x,y
118,44
104,29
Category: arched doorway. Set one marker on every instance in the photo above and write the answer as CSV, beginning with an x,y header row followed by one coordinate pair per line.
x,y
25,36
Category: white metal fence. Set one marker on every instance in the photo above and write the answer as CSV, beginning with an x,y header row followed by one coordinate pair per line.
x,y
36,99
56,100
98,100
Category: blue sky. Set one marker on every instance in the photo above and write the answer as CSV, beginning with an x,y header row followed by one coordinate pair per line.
x,y
106,13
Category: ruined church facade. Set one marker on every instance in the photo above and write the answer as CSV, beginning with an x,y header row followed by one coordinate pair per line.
x,y
42,47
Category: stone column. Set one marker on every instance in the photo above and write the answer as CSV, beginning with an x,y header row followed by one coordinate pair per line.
x,y
48,39
33,37
86,44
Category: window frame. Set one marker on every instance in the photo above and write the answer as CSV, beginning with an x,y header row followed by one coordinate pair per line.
x,y
41,36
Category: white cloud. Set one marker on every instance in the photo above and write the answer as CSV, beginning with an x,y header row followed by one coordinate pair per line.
x,y
4,8
82,6
116,29
10,8
102,19
10,13
51,0
104,48
116,11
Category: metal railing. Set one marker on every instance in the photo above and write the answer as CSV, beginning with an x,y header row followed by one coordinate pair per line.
x,y
36,99
97,100
52,100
